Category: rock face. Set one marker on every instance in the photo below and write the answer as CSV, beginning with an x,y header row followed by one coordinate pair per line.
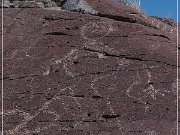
x,y
70,73
5,4
30,3
79,6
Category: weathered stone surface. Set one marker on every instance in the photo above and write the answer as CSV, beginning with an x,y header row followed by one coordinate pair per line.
x,y
5,3
78,6
27,4
30,3
67,73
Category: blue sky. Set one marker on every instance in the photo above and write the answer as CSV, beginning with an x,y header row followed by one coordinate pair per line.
x,y
163,8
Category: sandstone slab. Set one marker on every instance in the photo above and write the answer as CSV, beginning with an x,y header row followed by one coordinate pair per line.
x,y
69,73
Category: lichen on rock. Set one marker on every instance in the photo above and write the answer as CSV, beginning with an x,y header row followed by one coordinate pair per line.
x,y
78,6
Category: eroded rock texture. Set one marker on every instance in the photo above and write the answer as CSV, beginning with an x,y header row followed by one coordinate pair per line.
x,y
70,73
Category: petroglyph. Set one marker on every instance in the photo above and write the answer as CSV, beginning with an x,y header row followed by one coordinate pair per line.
x,y
57,107
93,83
19,53
47,72
99,46
30,52
93,33
153,132
96,30
123,62
40,129
150,91
96,92
26,118
63,104
108,102
155,46
38,52
137,81
67,61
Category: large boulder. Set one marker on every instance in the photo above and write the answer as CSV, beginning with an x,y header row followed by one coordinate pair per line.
x,y
73,73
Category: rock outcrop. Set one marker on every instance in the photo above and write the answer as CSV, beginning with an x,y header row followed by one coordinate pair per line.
x,y
98,67
6,3
78,6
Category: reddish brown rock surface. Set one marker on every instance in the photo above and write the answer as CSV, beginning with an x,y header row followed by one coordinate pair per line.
x,y
68,73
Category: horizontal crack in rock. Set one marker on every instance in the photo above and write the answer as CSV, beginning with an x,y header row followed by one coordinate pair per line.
x,y
156,35
110,116
20,77
125,19
52,18
127,57
97,97
57,33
